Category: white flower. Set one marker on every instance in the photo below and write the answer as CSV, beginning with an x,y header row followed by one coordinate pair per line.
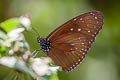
x,y
8,61
54,69
11,52
25,21
15,34
41,67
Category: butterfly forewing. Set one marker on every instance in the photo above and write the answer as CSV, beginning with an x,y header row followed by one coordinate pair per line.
x,y
90,20
71,41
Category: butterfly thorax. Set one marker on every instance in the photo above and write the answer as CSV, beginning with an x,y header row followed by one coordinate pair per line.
x,y
45,44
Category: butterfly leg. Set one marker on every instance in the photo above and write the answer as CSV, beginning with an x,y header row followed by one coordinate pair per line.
x,y
34,53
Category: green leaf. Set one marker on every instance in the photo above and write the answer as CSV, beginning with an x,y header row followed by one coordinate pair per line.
x,y
9,24
0,55
54,77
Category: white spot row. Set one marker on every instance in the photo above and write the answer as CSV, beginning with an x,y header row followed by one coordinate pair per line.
x,y
71,29
74,65
92,13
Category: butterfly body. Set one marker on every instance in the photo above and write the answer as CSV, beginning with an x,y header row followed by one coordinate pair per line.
x,y
69,43
45,44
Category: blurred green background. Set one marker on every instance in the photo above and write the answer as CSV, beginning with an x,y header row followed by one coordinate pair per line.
x,y
102,61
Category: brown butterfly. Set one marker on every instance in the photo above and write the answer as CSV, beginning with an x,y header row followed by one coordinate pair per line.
x,y
69,43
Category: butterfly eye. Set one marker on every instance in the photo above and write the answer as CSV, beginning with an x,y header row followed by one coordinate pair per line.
x,y
38,39
69,43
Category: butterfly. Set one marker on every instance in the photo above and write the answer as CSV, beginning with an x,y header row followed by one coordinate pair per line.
x,y
68,44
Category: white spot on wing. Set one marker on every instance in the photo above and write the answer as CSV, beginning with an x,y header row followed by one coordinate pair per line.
x,y
72,44
82,43
85,50
71,29
71,48
82,49
79,60
76,48
73,65
79,38
82,57
79,29
95,17
73,52
89,42
88,30
81,19
83,53
76,63
75,19
95,33
92,13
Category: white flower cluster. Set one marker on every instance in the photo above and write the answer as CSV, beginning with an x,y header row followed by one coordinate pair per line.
x,y
16,34
41,67
8,61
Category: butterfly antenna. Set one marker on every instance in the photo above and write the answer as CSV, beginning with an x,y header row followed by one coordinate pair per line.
x,y
36,31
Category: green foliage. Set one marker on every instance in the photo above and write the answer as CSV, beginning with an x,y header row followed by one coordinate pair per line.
x,y
54,77
10,24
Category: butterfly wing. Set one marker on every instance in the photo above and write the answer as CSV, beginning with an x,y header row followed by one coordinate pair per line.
x,y
71,41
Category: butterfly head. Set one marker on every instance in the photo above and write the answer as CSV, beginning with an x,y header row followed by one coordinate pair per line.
x,y
39,39
45,44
